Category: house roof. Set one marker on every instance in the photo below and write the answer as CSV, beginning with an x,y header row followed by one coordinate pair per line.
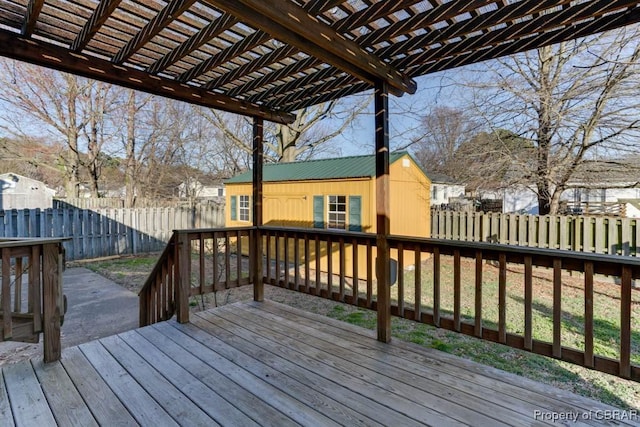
x,y
16,177
612,173
338,168
270,58
442,178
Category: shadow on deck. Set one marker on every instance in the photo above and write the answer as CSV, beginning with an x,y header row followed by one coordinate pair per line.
x,y
269,364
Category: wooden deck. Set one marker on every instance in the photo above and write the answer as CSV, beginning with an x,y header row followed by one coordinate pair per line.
x,y
268,364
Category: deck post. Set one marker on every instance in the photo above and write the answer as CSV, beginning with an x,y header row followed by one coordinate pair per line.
x,y
381,100
256,261
184,283
52,293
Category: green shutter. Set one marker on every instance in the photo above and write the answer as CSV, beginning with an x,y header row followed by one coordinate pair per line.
x,y
318,211
234,208
355,213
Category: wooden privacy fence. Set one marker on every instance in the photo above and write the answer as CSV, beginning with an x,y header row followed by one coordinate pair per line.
x,y
107,232
600,235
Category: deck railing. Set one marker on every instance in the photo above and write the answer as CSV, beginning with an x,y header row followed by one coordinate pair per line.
x,y
576,307
32,300
195,262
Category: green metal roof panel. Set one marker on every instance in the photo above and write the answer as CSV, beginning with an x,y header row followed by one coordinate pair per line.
x,y
339,168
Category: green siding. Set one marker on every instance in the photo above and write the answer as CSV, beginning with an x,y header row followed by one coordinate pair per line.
x,y
318,212
355,213
234,208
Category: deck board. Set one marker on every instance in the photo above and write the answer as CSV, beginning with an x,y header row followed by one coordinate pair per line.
x,y
220,410
28,403
422,390
177,404
404,354
63,398
6,418
138,402
311,387
245,402
100,399
426,377
391,394
269,364
248,372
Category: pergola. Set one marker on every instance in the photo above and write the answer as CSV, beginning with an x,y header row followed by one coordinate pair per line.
x,y
267,59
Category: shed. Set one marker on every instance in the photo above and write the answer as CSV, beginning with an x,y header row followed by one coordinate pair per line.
x,y
335,194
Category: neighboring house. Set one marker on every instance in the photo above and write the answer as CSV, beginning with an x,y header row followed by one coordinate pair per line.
x,y
335,194
201,189
520,199
444,188
20,192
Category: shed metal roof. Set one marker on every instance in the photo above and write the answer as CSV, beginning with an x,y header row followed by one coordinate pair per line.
x,y
321,169
269,58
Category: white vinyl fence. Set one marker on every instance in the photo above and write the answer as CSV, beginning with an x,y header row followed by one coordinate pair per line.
x,y
596,234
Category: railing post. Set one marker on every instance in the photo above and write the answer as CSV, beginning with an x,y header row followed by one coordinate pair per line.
x,y
184,275
382,211
256,264
51,276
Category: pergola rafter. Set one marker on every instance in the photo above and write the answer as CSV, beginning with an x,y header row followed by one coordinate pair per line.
x,y
281,55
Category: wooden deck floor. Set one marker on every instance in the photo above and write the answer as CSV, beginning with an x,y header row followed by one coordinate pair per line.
x,y
268,364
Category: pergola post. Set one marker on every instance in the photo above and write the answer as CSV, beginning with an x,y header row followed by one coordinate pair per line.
x,y
256,274
381,100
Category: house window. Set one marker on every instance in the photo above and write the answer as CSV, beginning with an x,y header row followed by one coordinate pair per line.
x,y
220,192
337,212
243,211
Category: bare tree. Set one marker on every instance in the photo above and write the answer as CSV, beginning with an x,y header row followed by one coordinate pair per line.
x,y
63,105
444,130
98,104
308,135
577,102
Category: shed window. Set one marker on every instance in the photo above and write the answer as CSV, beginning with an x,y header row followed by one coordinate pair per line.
x,y
243,212
233,208
337,212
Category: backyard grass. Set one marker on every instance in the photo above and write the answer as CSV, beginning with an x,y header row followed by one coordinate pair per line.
x,y
131,272
606,304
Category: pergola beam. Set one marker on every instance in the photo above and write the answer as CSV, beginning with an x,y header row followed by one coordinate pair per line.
x,y
346,24
438,13
61,59
293,25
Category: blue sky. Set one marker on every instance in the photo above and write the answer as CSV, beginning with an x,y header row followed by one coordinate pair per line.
x,y
439,89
